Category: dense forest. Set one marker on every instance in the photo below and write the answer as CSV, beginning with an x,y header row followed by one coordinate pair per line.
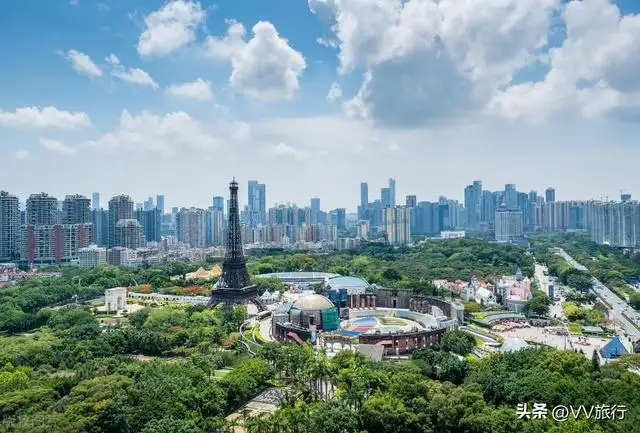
x,y
74,376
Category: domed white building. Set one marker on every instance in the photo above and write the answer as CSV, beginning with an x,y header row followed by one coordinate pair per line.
x,y
309,313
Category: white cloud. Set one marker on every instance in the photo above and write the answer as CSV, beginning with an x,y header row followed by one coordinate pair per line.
x,y
198,90
130,75
83,64
56,146
135,76
435,61
225,48
170,28
22,154
335,92
594,71
48,117
112,59
329,43
265,67
283,150
148,132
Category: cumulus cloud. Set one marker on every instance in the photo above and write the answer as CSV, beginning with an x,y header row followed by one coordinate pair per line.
x,y
130,75
56,146
224,48
283,150
22,154
594,71
170,28
335,92
198,90
436,61
148,132
265,67
82,63
48,117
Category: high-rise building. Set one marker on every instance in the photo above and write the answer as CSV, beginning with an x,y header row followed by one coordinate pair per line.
x,y
314,211
550,195
397,224
151,221
100,222
392,191
385,197
160,203
411,201
214,226
129,234
148,204
339,218
42,209
9,227
95,201
76,210
508,225
511,196
218,203
139,206
53,243
190,227
120,208
364,195
473,204
256,203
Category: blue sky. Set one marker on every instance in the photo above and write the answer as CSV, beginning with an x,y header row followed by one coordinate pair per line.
x,y
433,95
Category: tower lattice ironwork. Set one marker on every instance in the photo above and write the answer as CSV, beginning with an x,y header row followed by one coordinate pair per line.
x,y
234,285
234,268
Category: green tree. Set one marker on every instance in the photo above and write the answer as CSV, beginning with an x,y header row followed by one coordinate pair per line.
x,y
458,342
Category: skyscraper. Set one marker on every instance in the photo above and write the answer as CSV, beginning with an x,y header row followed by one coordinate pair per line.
x,y
397,225
550,195
75,210
120,208
411,201
160,203
214,226
9,227
42,209
392,191
190,227
151,222
339,218
473,204
218,203
256,203
95,201
315,211
385,197
148,204
508,225
510,196
364,195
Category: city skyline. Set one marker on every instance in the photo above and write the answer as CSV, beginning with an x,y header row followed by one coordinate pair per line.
x,y
127,107
372,192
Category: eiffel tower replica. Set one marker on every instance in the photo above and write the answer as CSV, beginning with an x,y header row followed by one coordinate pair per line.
x,y
234,286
